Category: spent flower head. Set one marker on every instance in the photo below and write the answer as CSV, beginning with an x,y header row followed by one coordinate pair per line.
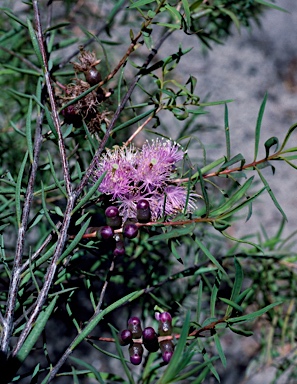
x,y
147,173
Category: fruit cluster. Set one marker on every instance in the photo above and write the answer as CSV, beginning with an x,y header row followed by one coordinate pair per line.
x,y
136,338
129,228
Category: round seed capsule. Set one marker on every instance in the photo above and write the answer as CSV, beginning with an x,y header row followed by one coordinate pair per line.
x,y
125,337
135,327
93,76
130,230
165,324
113,218
167,348
105,232
150,339
143,211
135,352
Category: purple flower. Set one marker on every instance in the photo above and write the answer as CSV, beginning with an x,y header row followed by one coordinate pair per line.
x,y
147,173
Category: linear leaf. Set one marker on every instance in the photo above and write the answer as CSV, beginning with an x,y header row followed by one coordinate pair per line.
x,y
271,194
214,293
75,241
270,143
18,190
35,42
90,367
233,161
133,120
36,331
258,126
89,194
236,286
227,132
140,3
233,199
177,232
254,315
220,350
187,12
210,166
289,133
209,255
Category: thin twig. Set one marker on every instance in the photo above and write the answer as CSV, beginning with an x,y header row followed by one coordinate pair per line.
x,y
103,290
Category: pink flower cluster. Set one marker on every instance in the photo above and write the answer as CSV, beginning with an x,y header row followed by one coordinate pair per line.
x,y
133,174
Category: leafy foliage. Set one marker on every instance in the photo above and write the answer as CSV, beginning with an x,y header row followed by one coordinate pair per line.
x,y
88,77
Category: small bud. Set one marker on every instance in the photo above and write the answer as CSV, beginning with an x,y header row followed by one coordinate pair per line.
x,y
135,352
135,327
167,348
130,230
125,337
143,211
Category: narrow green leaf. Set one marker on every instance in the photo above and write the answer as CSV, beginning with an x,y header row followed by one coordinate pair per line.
x,y
209,255
236,286
141,3
241,332
270,143
233,199
242,205
220,350
89,194
232,17
18,188
176,232
133,120
210,166
75,241
36,331
271,6
289,133
243,242
187,12
88,366
254,315
258,126
96,319
22,70
121,356
227,133
18,20
29,131
50,122
35,42
233,161
49,219
57,182
204,192
271,194
231,305
214,293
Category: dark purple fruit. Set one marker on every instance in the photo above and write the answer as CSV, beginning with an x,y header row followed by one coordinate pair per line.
x,y
113,218
150,339
130,230
143,211
135,352
167,348
105,232
134,326
165,324
93,76
125,337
